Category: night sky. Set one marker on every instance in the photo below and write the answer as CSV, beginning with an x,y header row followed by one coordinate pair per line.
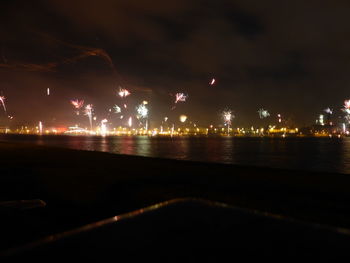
x,y
289,57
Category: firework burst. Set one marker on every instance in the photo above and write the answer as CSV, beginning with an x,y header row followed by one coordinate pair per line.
x,y
142,111
328,111
180,97
123,92
117,109
347,104
227,116
347,118
78,104
346,107
263,113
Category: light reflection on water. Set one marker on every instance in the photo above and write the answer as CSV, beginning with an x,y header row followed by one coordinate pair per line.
x,y
319,154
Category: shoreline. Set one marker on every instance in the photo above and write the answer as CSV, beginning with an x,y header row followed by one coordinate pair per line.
x,y
273,135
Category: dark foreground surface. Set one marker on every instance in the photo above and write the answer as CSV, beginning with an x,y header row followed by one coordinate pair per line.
x,y
187,230
78,188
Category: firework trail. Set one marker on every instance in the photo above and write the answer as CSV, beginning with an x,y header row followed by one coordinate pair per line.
x,y
2,101
88,112
88,52
104,127
51,66
83,52
48,67
48,91
40,128
212,82
263,113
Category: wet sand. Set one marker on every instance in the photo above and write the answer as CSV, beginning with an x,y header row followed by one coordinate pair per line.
x,y
81,187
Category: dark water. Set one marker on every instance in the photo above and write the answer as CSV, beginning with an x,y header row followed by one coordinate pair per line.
x,y
318,154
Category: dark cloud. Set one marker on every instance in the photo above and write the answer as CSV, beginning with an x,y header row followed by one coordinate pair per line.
x,y
287,56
